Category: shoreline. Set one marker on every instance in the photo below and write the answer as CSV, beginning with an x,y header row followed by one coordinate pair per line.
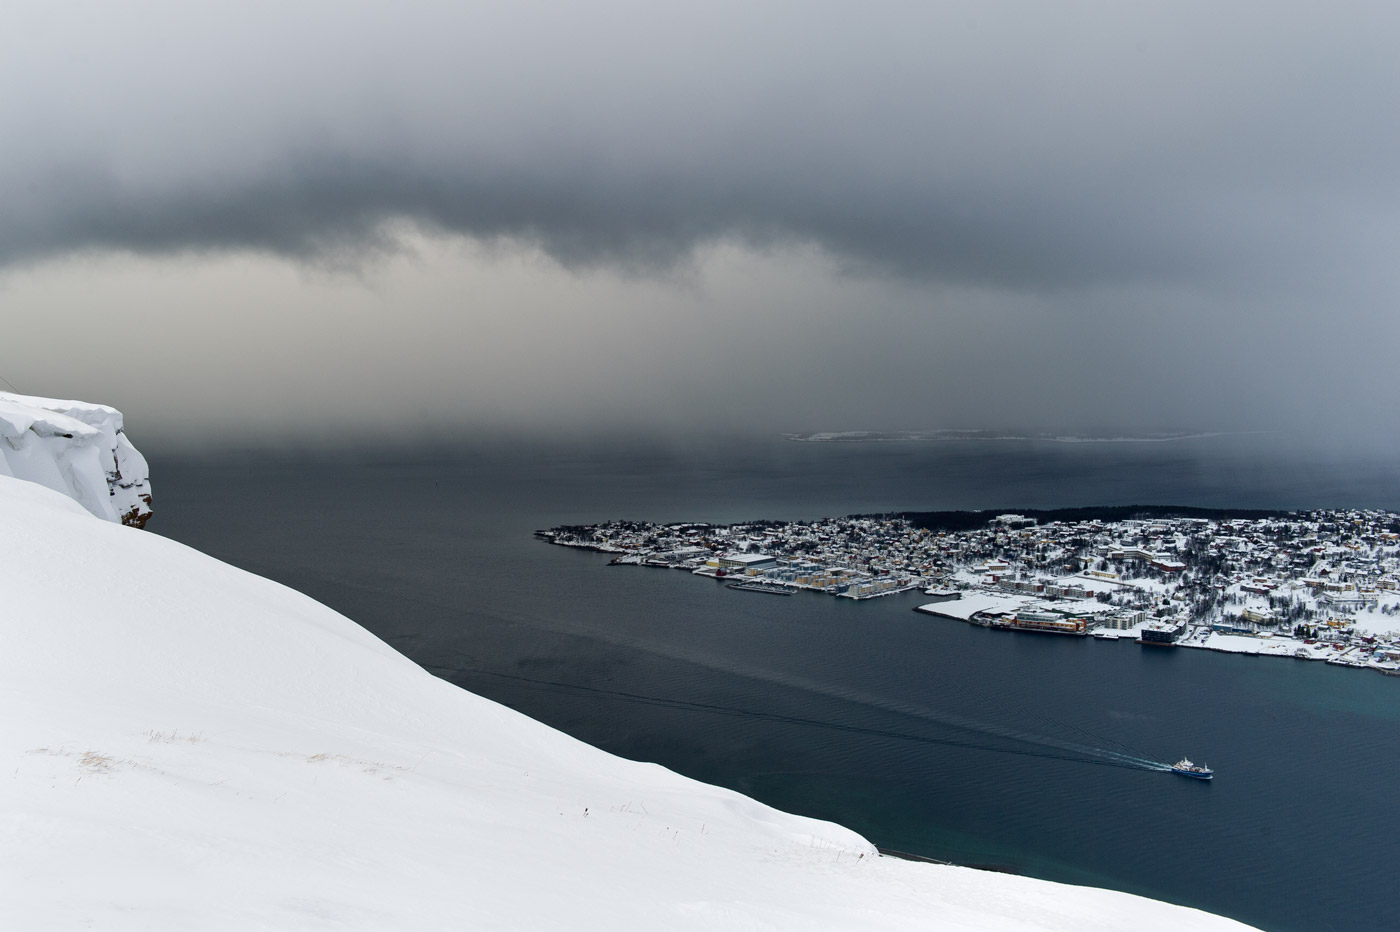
x,y
1197,637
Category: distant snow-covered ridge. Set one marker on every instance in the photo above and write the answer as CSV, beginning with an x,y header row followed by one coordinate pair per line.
x,y
79,449
959,434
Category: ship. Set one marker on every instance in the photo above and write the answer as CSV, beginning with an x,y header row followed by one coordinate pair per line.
x,y
1195,771
770,588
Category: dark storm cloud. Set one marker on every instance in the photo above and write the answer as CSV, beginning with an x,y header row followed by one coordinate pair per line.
x,y
1025,146
776,216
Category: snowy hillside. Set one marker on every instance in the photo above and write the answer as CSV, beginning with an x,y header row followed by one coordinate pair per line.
x,y
187,746
78,449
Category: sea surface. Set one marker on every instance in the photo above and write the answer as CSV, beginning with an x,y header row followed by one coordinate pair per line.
x,y
929,736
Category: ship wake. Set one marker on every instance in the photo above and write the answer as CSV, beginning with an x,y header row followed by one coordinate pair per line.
x,y
950,730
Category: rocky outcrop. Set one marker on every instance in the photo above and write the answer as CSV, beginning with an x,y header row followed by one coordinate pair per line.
x,y
79,449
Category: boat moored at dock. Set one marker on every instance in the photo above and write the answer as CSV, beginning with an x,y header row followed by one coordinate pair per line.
x,y
770,588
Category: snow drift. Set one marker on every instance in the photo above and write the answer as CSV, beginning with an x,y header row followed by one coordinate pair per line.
x,y
187,746
78,449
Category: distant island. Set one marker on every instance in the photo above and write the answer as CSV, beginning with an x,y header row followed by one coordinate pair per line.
x,y
1317,585
948,434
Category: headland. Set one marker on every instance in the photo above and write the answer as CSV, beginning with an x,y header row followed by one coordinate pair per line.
x,y
1315,585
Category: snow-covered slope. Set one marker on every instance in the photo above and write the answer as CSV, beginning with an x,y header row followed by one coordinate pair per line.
x,y
78,449
187,746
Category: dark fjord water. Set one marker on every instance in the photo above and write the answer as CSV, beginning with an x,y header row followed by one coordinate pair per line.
x,y
926,735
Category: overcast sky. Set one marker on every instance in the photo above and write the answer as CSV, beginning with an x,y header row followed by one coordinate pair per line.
x,y
314,219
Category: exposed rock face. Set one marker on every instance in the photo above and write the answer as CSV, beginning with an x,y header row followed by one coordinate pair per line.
x,y
78,449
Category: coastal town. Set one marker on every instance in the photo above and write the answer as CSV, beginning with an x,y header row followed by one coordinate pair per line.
x,y
1317,585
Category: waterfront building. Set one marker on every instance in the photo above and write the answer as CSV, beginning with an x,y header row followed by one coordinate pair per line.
x,y
745,562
